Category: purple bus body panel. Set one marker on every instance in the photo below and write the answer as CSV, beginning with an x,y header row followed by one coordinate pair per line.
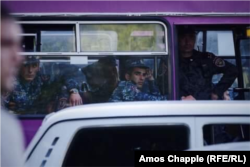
x,y
30,128
128,6
198,20
208,20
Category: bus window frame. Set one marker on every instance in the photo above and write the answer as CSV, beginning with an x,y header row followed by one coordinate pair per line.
x,y
172,89
66,59
241,87
77,24
212,27
223,29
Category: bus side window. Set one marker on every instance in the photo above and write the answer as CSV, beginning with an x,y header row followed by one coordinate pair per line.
x,y
199,41
221,43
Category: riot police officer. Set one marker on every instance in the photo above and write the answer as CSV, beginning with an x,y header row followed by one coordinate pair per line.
x,y
197,69
131,90
33,93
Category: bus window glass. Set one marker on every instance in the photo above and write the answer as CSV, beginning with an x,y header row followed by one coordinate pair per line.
x,y
245,61
244,48
199,41
58,41
122,37
29,42
96,80
220,43
49,38
216,78
48,90
246,72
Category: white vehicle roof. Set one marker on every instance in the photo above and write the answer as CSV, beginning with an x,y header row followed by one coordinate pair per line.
x,y
237,111
160,108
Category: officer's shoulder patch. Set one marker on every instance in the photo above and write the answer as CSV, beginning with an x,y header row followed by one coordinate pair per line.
x,y
219,62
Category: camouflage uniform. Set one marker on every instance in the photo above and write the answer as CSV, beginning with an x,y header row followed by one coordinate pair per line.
x,y
127,91
25,95
196,74
33,97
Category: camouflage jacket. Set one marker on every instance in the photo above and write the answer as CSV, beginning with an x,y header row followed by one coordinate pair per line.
x,y
127,91
33,97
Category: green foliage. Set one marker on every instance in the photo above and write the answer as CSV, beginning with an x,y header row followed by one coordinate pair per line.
x,y
58,44
126,42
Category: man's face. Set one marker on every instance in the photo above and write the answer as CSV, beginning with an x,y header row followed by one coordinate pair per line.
x,y
187,42
137,76
29,71
10,59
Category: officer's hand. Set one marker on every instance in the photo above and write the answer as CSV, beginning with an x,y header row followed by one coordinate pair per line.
x,y
150,75
214,96
190,97
226,96
75,99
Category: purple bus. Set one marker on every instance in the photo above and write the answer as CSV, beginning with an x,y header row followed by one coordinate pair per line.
x,y
70,35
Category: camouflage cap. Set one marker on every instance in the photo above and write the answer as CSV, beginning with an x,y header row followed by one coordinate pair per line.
x,y
135,62
31,60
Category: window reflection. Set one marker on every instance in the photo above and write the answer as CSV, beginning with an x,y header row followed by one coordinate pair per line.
x,y
123,37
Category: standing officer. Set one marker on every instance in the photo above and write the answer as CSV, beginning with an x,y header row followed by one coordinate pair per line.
x,y
131,89
198,68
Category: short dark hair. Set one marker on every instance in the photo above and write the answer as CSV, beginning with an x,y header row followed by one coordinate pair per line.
x,y
5,12
186,30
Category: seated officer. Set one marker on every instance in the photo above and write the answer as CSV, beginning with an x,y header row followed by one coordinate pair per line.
x,y
197,69
131,89
102,79
32,91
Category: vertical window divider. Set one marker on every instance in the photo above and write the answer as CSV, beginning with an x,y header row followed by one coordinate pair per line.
x,y
78,47
156,67
204,47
